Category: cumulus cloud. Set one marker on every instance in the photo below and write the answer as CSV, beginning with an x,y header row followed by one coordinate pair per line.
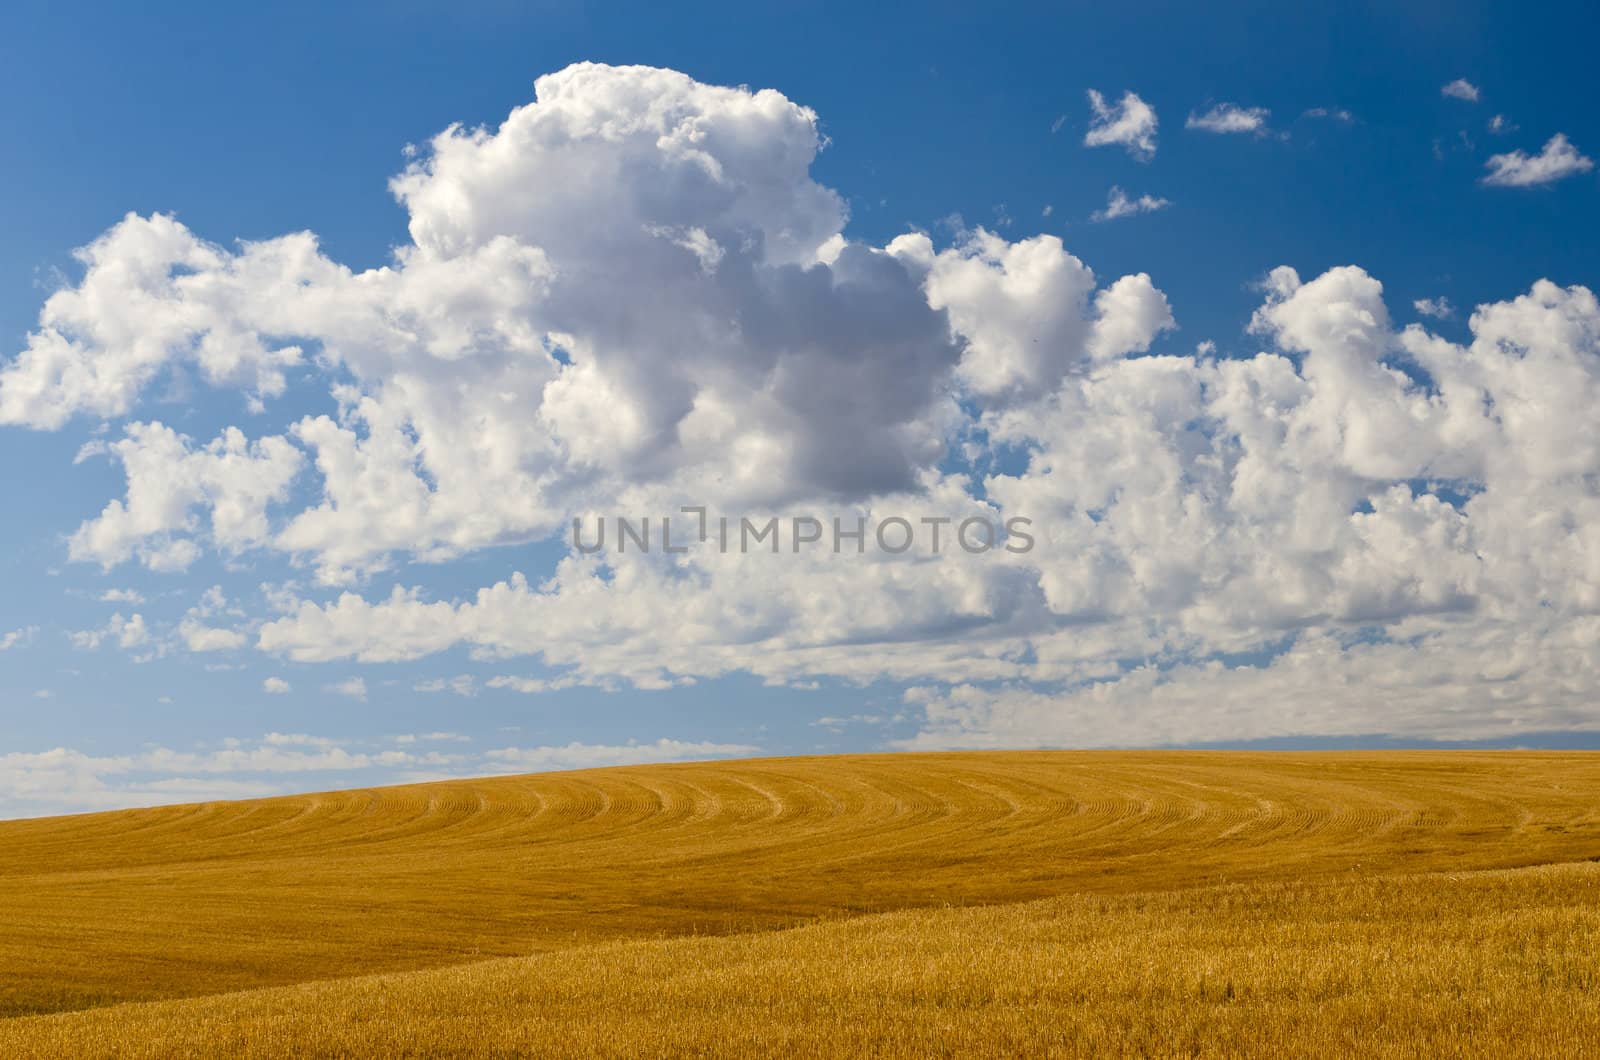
x,y
1437,308
1130,123
1230,118
631,295
1119,204
1517,169
127,633
1461,89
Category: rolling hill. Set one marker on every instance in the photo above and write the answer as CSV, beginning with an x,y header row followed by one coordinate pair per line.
x,y
584,870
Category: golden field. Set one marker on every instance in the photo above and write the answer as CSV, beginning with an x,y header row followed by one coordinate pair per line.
x,y
1160,903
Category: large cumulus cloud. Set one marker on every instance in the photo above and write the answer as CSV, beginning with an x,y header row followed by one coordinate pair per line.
x,y
632,296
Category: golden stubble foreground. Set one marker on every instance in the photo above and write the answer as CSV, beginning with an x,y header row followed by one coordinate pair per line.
x,y
1490,964
1210,903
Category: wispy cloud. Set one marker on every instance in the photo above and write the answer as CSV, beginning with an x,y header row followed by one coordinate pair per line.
x,y
1119,204
1230,118
1461,89
355,688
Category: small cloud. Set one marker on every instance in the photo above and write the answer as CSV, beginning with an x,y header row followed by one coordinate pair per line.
x,y
44,693
122,596
276,686
531,686
1500,125
1131,123
461,686
1437,308
1230,118
129,633
16,637
1056,125
355,688
1338,114
1118,204
1048,210
431,737
1518,169
1462,89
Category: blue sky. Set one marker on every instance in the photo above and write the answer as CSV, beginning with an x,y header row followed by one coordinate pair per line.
x,y
249,124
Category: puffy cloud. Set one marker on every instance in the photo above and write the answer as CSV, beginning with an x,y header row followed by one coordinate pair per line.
x,y
1130,123
1230,118
1118,204
1518,169
496,378
1028,311
170,480
1461,89
631,295
1437,308
276,686
199,636
127,633
1188,509
153,296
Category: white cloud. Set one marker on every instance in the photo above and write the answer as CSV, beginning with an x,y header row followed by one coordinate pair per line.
x,y
1437,308
1118,204
1131,124
1338,114
462,685
431,737
233,479
1500,125
1230,118
122,596
1461,89
276,686
128,633
1518,169
354,687
1350,493
17,637
531,686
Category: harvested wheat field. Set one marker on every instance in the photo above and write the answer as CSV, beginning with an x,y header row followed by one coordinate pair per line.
x,y
1040,902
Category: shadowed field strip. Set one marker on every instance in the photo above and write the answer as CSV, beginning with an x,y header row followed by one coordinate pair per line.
x,y
1495,964
201,899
